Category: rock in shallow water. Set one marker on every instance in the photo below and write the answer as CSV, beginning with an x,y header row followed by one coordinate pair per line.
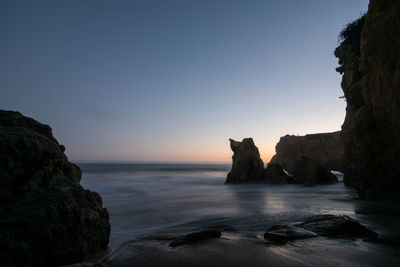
x,y
334,225
195,237
247,165
324,225
324,148
46,217
274,174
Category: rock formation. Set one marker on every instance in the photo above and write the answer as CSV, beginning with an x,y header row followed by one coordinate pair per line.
x,y
309,172
324,148
46,217
369,58
247,165
274,174
324,225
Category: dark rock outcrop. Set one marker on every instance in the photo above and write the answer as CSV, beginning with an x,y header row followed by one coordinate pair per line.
x,y
247,165
324,225
195,237
46,217
309,172
369,58
324,148
274,174
335,225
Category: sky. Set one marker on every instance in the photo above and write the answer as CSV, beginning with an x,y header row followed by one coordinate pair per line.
x,y
173,80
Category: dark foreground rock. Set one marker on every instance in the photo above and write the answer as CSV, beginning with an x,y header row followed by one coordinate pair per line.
x,y
46,217
309,172
324,148
195,237
369,58
333,225
274,174
247,165
324,225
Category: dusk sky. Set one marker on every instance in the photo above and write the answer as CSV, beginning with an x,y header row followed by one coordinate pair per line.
x,y
173,80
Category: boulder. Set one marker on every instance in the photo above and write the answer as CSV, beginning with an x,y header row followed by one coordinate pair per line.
x,y
369,61
336,225
247,165
324,148
274,174
46,217
309,172
195,237
324,225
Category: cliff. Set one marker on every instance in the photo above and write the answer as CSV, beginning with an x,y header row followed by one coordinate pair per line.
x,y
369,58
46,217
326,149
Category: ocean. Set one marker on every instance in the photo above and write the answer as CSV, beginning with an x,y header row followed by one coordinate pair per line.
x,y
144,200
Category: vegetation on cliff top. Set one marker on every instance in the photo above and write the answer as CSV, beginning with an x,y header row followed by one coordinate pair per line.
x,y
351,33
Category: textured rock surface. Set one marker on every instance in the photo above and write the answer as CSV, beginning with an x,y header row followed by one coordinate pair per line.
x,y
324,225
46,217
324,148
309,172
247,165
370,65
274,174
331,225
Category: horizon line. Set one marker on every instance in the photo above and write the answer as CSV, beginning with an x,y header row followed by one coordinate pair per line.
x,y
147,162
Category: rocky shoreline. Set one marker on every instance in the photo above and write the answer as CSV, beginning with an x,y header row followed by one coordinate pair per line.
x,y
46,217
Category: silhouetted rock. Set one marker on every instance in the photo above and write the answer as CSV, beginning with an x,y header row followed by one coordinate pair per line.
x,y
195,237
247,165
335,225
46,217
324,148
324,225
308,172
274,174
369,59
283,233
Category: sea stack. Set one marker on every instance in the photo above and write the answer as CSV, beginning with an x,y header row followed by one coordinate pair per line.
x,y
326,149
369,58
46,217
247,165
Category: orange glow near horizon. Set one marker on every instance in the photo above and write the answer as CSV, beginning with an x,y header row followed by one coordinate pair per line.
x,y
220,154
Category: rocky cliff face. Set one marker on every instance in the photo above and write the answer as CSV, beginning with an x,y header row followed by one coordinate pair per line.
x,y
326,149
369,58
46,217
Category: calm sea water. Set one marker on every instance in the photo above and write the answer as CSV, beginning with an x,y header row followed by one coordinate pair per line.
x,y
145,199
